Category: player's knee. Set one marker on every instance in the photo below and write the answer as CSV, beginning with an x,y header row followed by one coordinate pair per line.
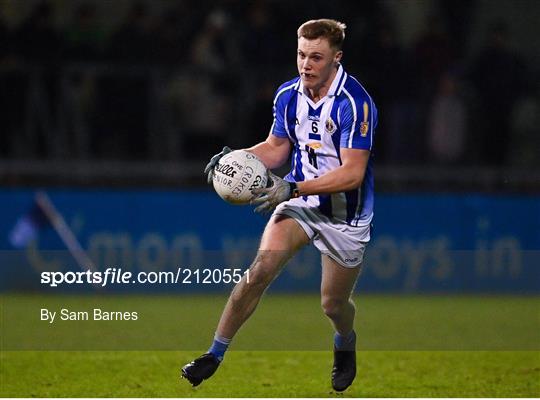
x,y
258,279
334,307
263,271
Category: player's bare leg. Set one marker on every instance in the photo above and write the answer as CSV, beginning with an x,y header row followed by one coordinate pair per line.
x,y
336,288
281,239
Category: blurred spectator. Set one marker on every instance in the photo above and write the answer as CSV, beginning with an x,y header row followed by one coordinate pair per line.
x,y
204,113
37,40
388,75
175,32
208,95
215,48
260,41
498,74
525,145
447,123
40,47
134,42
260,119
85,42
434,53
4,41
85,36
6,121
457,16
120,122
121,118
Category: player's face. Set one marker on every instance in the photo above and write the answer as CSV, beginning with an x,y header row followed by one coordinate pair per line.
x,y
316,62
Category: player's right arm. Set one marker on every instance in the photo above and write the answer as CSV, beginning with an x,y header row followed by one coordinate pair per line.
x,y
273,152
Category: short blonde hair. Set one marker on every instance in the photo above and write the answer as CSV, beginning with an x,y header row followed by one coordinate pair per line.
x,y
330,29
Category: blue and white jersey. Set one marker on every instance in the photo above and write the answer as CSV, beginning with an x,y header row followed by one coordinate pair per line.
x,y
345,118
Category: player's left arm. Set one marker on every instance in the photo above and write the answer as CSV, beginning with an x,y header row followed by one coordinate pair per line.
x,y
348,176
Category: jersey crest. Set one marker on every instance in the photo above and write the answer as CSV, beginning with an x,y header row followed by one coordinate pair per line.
x,y
330,126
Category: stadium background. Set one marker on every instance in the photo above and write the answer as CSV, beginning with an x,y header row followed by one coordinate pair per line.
x,y
113,109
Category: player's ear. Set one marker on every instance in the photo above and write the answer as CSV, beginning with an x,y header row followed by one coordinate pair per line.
x,y
337,57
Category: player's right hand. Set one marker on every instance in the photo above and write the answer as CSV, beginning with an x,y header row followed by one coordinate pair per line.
x,y
209,169
269,197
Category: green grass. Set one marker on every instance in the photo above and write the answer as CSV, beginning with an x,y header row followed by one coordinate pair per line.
x,y
411,346
270,374
389,322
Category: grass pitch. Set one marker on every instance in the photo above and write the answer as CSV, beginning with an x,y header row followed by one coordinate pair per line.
x,y
411,346
271,374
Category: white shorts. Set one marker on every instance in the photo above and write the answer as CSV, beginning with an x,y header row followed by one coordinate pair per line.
x,y
343,243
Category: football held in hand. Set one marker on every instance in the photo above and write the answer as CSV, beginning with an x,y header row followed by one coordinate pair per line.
x,y
237,174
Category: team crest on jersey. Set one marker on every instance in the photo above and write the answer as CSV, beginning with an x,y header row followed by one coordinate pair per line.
x,y
364,127
330,126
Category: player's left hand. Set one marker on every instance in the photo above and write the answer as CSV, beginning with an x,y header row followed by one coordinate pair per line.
x,y
269,197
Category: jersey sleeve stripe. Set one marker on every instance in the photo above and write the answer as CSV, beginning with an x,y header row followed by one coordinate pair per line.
x,y
371,122
273,125
281,91
336,138
355,117
286,122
